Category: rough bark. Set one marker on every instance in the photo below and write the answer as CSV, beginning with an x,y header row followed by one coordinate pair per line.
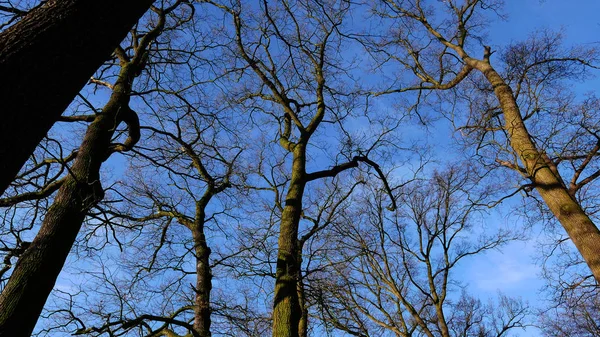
x,y
550,186
202,319
45,60
303,324
37,269
287,310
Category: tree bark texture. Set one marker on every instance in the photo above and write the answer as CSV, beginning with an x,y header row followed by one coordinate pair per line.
x,y
303,324
202,318
37,269
45,60
550,186
287,310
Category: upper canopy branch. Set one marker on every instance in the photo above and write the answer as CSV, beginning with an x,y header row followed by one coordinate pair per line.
x,y
334,171
433,85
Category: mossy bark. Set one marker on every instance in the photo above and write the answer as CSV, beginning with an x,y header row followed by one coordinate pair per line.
x,y
45,60
287,310
578,225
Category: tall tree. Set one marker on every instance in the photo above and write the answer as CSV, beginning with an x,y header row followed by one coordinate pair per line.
x,y
45,60
37,269
394,274
292,49
447,59
167,210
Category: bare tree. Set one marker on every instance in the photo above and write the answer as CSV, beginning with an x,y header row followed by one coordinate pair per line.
x,y
567,127
37,268
574,307
176,199
444,59
395,275
200,238
63,42
165,210
291,48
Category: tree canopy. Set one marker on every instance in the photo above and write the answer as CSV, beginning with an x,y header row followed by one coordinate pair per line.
x,y
293,168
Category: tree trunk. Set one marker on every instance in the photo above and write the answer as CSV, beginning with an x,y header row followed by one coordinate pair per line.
x,y
578,225
286,310
37,269
203,280
45,60
303,325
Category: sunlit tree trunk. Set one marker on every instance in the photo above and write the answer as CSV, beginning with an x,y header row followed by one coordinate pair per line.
x,y
287,310
548,183
538,167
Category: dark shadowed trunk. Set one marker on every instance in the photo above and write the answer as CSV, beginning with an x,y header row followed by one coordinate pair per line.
x,y
203,278
37,269
45,60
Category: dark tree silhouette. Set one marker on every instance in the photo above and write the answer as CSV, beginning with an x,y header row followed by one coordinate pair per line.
x,y
45,60
37,269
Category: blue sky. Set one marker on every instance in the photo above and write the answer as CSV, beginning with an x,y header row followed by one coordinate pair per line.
x,y
511,270
578,17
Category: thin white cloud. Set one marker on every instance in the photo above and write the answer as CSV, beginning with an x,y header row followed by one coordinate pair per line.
x,y
509,271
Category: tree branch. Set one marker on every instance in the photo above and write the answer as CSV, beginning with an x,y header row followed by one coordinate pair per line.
x,y
334,171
